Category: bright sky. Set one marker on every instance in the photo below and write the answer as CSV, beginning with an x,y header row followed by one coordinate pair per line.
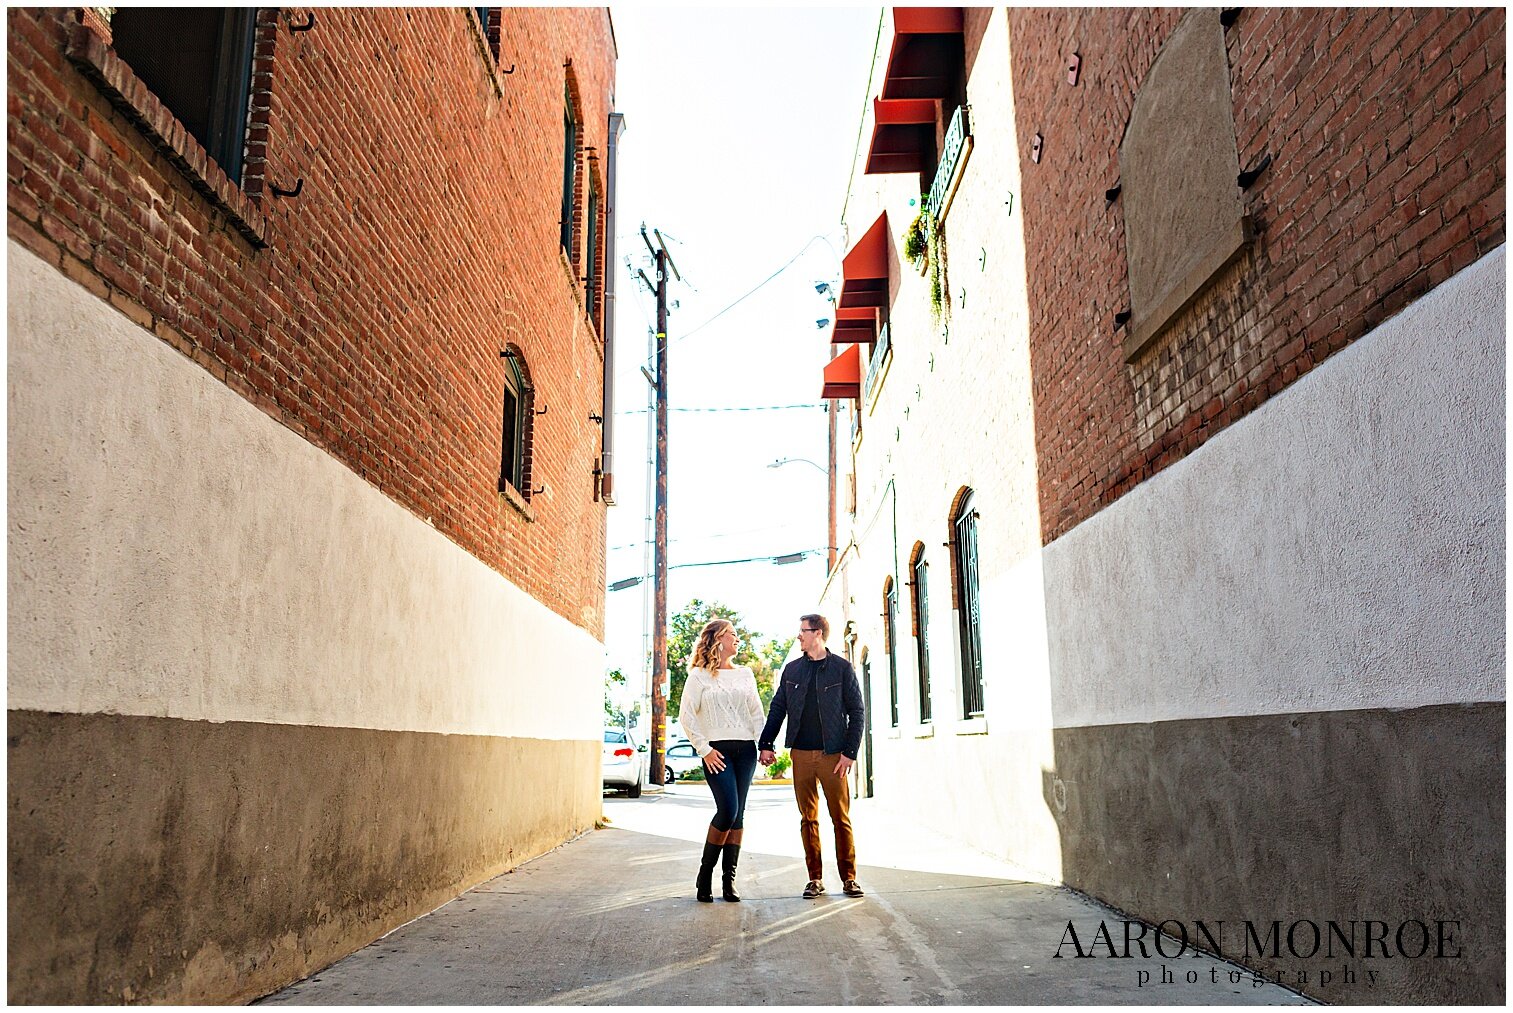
x,y
741,125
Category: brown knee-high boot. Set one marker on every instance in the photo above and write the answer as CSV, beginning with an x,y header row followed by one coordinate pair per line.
x,y
729,858
713,845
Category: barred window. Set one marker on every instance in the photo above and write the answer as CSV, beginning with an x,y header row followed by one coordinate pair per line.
x,y
921,605
969,610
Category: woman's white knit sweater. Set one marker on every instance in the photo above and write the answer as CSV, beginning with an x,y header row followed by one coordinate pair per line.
x,y
720,707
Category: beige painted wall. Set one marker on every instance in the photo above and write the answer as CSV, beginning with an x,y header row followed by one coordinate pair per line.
x,y
175,552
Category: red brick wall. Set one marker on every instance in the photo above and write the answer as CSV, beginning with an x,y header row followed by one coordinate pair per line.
x,y
1386,130
425,239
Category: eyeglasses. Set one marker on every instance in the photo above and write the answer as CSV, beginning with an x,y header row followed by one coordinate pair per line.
x,y
805,629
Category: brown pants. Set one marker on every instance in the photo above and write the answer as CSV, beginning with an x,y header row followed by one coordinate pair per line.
x,y
813,769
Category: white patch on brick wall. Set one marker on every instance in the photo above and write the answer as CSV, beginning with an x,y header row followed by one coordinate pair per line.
x,y
1340,547
175,552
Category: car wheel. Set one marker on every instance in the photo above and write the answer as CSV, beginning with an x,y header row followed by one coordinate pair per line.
x,y
634,791
670,777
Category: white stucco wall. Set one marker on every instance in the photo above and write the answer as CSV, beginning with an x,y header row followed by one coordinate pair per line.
x,y
956,409
1340,547
175,552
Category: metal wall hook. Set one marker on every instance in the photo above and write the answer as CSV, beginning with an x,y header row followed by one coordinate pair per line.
x,y
1249,176
510,71
538,411
595,417
304,27
538,492
278,191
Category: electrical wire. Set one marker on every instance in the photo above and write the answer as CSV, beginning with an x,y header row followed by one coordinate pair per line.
x,y
745,408
728,562
862,120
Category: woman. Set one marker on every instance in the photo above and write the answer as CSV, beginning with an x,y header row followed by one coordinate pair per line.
x,y
722,716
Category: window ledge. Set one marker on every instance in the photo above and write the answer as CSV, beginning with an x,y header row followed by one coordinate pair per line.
x,y
972,726
485,50
120,84
512,496
925,731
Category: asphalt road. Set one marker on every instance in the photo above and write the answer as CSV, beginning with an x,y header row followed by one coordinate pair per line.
x,y
610,919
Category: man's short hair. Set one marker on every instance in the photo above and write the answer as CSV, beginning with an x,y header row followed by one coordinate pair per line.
x,y
815,619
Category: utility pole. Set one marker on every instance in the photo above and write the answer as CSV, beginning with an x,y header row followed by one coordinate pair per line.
x,y
659,569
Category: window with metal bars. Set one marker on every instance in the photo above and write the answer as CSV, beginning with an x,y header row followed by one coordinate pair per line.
x,y
969,610
921,602
890,635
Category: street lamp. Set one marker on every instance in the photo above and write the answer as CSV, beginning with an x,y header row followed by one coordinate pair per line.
x,y
799,460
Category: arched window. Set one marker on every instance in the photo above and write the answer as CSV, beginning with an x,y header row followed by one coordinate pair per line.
x,y
968,608
890,643
919,600
517,426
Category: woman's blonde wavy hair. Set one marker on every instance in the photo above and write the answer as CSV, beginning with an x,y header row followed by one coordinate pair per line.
x,y
706,654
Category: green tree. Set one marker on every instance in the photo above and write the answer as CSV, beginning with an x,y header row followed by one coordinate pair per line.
x,y
612,714
683,629
768,666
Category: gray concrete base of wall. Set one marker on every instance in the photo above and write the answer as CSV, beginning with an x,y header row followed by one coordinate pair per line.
x,y
1389,815
163,860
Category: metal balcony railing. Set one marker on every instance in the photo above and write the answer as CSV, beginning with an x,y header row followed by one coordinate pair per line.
x,y
951,151
877,360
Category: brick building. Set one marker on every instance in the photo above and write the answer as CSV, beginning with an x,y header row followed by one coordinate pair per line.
x,y
1173,501
307,478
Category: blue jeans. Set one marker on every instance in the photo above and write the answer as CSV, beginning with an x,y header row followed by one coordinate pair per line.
x,y
730,785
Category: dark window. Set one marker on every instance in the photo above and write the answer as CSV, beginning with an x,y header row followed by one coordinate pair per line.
x,y
569,171
591,252
198,62
964,544
890,620
922,637
516,424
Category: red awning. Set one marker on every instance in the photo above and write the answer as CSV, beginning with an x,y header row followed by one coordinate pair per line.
x,y
855,323
864,273
843,376
902,130
923,72
926,54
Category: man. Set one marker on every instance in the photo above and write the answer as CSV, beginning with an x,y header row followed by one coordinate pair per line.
x,y
822,701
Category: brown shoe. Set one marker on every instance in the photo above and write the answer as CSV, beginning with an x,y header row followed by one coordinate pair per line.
x,y
851,888
813,889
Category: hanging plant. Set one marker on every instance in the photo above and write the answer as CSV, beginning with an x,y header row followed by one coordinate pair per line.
x,y
940,291
915,239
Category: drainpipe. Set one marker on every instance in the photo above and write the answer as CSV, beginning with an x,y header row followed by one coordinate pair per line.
x,y
607,427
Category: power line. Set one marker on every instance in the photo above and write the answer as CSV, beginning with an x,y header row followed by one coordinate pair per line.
x,y
746,408
788,557
759,286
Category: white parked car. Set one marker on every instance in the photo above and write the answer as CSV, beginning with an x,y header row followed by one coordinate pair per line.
x,y
623,762
681,758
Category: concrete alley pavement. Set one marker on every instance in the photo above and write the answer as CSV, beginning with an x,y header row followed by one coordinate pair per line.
x,y
610,918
